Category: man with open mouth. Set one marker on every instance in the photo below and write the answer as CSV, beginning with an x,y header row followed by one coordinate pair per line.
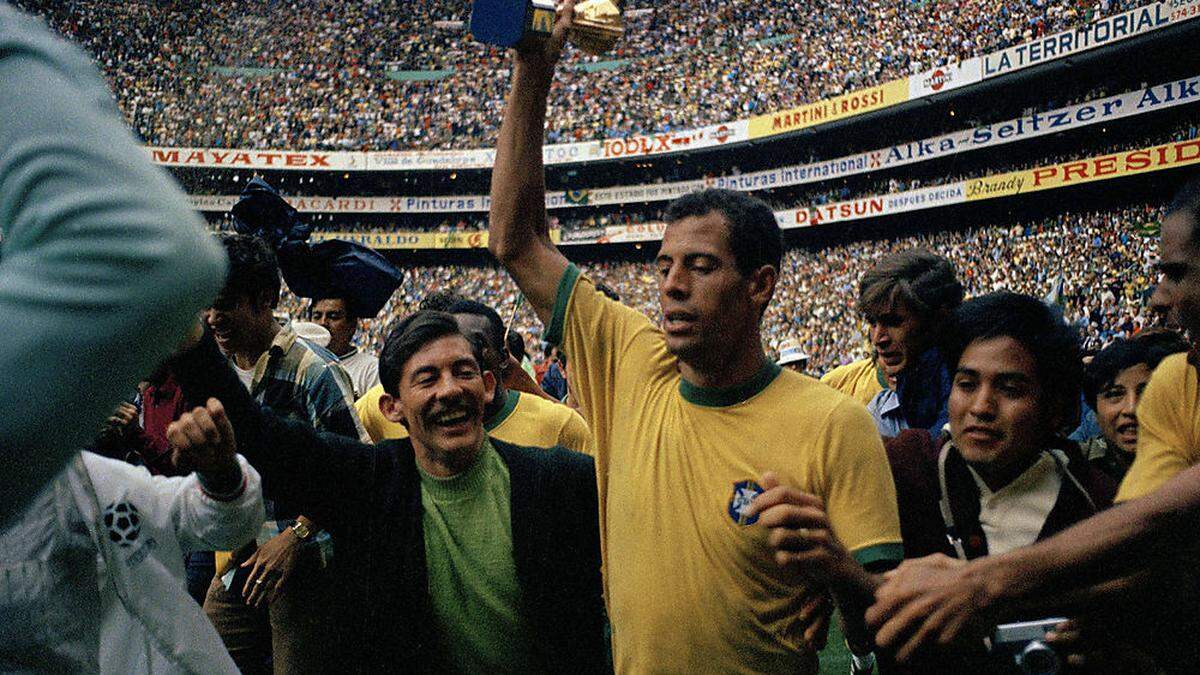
x,y
456,552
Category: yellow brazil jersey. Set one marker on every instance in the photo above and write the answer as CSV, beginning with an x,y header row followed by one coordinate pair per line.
x,y
1168,428
690,581
860,380
525,419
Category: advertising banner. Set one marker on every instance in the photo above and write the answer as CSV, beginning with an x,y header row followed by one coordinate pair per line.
x,y
1103,31
1039,123
1104,167
417,240
836,108
945,78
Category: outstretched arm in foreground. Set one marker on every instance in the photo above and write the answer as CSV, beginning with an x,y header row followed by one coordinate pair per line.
x,y
932,601
103,264
518,234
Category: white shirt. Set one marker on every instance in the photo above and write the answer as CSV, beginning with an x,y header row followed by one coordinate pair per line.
x,y
1014,515
246,376
363,369
92,578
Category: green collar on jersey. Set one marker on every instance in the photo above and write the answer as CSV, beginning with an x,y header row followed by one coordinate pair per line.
x,y
720,397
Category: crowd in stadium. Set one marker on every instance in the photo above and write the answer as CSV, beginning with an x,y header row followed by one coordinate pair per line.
x,y
975,444
224,75
1102,277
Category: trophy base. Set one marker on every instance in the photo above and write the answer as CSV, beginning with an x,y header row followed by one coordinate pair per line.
x,y
595,41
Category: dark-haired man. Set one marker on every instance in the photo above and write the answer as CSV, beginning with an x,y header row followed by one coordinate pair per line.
x,y
1005,469
277,614
457,553
907,298
361,365
688,417
929,602
514,416
1113,385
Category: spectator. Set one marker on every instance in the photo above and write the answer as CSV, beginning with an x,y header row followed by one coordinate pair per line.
x,y
269,599
1113,385
1096,562
907,300
452,560
94,576
86,218
362,366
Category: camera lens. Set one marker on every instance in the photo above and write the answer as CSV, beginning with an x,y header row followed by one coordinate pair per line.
x,y
1039,659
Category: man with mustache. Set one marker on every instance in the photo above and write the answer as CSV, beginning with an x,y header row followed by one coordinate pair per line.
x,y
457,552
514,416
692,422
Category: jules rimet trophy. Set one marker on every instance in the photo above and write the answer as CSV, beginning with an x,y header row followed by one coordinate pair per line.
x,y
508,23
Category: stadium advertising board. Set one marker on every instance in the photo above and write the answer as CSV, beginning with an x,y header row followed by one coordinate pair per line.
x,y
712,136
1103,167
830,110
945,78
1150,99
1103,31
1066,174
417,240
258,159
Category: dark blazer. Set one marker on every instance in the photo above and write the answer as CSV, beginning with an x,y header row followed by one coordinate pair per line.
x,y
913,456
369,499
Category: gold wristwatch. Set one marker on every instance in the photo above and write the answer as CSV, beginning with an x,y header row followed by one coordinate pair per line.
x,y
302,531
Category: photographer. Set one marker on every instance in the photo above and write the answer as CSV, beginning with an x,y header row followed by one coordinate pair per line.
x,y
1004,477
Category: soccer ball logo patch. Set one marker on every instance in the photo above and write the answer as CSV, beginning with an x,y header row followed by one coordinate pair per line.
x,y
123,523
744,492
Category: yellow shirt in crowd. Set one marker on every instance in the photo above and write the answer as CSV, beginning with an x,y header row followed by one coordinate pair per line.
x,y
1168,428
860,380
525,419
691,583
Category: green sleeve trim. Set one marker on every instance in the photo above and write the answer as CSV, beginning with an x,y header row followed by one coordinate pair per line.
x,y
510,404
554,332
714,397
878,553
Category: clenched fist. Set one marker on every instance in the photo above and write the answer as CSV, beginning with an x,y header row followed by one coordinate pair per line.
x,y
202,440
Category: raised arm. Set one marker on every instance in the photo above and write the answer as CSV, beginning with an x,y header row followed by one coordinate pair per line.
x,y
518,234
103,264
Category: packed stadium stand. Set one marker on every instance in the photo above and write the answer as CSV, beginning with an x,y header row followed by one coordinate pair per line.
x,y
317,75
397,74
1032,143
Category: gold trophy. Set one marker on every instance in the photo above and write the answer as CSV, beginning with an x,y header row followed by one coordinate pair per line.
x,y
597,26
508,23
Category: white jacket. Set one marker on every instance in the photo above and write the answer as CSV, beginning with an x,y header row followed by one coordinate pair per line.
x,y
92,578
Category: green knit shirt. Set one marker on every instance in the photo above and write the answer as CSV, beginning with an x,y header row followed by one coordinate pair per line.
x,y
473,585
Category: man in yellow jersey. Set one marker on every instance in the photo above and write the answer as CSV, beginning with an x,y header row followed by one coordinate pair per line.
x,y
861,380
512,416
688,417
1169,412
932,600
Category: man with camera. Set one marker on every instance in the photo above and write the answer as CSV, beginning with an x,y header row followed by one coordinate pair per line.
x,y
1103,560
